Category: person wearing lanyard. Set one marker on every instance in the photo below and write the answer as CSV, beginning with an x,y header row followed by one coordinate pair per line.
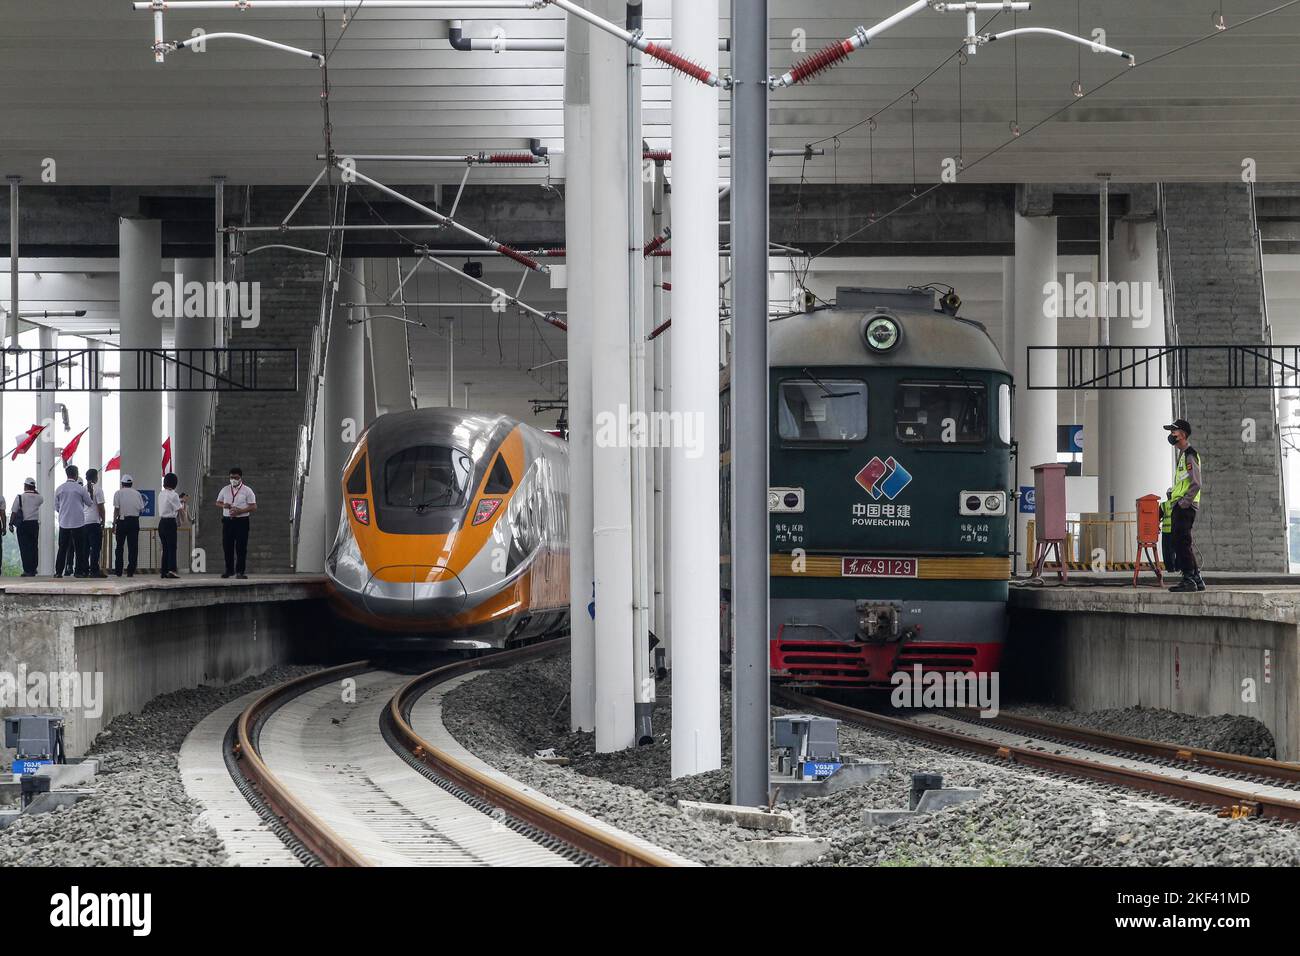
x,y
236,501
169,506
71,501
127,505
25,521
93,529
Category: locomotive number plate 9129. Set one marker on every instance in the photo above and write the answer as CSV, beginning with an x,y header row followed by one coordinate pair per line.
x,y
878,567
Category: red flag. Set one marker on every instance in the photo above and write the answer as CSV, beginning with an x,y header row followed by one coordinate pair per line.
x,y
167,454
114,463
26,441
71,450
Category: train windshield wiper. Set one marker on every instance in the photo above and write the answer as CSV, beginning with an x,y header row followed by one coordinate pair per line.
x,y
425,505
826,391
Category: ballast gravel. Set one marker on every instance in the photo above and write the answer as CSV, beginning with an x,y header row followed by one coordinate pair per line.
x,y
140,814
1023,817
1228,733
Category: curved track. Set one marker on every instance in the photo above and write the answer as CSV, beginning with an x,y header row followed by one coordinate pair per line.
x,y
341,774
1131,767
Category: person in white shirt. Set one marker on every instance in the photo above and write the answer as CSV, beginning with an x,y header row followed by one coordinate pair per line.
x,y
25,521
70,502
127,505
236,501
93,529
169,506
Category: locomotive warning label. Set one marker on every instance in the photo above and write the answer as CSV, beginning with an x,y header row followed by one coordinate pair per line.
x,y
878,567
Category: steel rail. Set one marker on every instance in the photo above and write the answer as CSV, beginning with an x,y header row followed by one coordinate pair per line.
x,y
1232,800
1196,757
605,847
314,834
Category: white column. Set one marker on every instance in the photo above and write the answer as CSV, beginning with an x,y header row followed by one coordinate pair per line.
x,y
693,344
659,404
312,543
1131,420
611,388
344,390
47,478
1035,324
193,332
577,238
390,356
140,413
1008,338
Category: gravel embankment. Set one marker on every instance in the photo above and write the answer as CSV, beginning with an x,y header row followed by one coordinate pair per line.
x,y
1022,818
1228,733
140,814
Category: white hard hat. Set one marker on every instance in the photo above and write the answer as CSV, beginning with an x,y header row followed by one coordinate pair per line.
x,y
29,481
127,480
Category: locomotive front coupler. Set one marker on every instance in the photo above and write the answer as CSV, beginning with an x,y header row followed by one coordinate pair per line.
x,y
879,621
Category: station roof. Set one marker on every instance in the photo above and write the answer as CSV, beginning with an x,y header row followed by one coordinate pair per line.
x,y
80,86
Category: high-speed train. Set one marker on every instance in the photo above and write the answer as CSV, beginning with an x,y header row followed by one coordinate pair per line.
x,y
454,530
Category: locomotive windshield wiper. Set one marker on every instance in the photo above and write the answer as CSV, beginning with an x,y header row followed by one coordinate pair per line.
x,y
826,391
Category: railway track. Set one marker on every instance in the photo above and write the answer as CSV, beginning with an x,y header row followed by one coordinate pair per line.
x,y
1235,786
345,780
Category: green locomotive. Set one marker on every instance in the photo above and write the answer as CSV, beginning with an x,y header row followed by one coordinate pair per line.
x,y
891,474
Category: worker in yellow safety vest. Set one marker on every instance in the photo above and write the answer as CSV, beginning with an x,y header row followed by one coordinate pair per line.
x,y
1167,551
1187,502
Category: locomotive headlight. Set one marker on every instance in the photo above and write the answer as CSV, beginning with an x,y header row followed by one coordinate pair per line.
x,y
773,501
993,503
881,333
988,503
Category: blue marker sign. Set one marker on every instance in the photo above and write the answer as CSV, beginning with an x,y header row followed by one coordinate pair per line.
x,y
1026,499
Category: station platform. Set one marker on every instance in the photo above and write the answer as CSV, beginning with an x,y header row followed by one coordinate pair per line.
x,y
1097,642
91,649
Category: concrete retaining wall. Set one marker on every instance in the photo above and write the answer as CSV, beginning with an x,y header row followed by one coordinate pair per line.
x,y
1099,648
152,641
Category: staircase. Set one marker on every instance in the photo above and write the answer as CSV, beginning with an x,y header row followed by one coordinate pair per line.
x,y
258,431
1218,298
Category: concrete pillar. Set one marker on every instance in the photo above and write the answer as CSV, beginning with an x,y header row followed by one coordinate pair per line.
x,y
1008,339
1035,324
1131,420
577,215
344,390
389,355
193,332
693,345
140,413
312,543
611,387
47,478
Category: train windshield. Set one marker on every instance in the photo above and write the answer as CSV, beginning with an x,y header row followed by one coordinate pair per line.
x,y
942,413
823,410
426,477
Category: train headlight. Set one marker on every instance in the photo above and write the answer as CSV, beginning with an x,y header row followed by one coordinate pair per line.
x,y
881,333
361,510
487,507
990,503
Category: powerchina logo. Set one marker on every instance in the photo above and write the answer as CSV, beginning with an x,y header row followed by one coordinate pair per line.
x,y
887,478
76,909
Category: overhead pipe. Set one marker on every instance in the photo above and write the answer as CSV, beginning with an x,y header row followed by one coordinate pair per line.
x,y
503,158
456,37
243,6
666,155
521,258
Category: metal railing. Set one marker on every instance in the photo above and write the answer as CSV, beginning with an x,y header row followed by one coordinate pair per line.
x,y
1111,367
149,557
1093,541
316,368
150,370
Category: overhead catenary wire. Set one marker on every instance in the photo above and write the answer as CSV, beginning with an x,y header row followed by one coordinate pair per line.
x,y
1020,135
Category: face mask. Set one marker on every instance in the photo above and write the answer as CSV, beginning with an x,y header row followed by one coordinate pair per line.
x,y
1172,440
235,482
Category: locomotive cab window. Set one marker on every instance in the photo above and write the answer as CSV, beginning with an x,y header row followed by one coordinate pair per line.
x,y
499,481
426,476
941,413
824,410
357,479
